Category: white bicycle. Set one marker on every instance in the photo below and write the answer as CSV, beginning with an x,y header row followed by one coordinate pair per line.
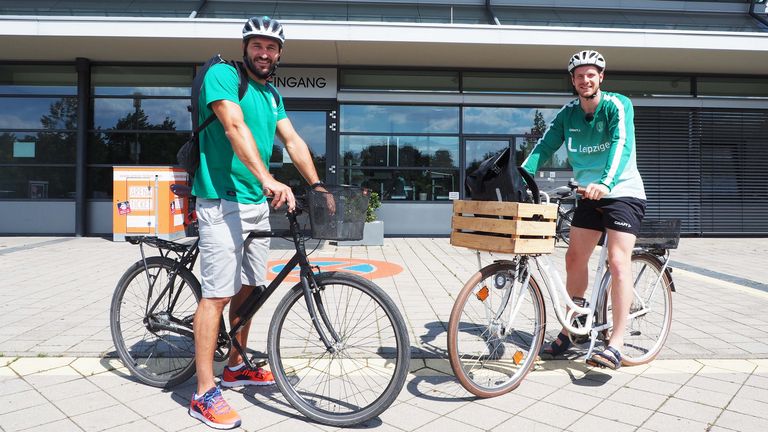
x,y
496,329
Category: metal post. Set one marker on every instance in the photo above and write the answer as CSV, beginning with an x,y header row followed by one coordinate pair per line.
x,y
83,67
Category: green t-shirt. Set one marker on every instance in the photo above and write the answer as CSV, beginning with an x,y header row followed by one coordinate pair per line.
x,y
221,174
600,151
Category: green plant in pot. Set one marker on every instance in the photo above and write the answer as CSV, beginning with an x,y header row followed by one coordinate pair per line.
x,y
373,203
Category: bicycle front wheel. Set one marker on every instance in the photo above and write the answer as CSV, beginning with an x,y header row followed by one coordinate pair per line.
x,y
365,369
151,322
496,330
650,316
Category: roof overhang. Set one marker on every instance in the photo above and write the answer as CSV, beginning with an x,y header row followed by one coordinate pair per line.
x,y
384,44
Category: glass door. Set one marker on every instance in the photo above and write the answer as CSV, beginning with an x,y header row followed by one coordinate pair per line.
x,y
318,128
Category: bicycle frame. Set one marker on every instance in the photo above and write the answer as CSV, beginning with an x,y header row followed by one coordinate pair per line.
x,y
554,285
255,300
186,259
258,297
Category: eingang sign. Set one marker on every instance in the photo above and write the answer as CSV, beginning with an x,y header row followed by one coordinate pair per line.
x,y
306,82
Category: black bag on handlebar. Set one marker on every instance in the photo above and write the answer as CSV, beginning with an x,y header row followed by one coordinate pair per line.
x,y
500,176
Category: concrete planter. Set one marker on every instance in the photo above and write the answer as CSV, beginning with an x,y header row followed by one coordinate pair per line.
x,y
373,235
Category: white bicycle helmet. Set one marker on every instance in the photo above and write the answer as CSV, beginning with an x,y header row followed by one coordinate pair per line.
x,y
586,57
264,26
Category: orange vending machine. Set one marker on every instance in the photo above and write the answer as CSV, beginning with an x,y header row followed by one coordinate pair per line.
x,y
144,203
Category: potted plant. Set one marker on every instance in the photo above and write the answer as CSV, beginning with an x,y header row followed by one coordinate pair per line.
x,y
423,185
373,232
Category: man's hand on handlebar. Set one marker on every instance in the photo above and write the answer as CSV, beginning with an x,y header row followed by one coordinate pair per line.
x,y
594,191
280,193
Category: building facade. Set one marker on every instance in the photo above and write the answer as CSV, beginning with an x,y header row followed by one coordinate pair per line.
x,y
403,97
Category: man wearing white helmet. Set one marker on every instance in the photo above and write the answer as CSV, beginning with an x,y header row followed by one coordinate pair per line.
x,y
599,133
231,186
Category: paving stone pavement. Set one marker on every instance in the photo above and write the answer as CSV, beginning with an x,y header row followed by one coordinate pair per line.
x,y
58,370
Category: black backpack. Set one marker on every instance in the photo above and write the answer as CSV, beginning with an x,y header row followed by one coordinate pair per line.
x,y
499,179
188,155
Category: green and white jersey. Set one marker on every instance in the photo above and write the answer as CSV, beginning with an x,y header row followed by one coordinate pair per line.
x,y
600,151
221,174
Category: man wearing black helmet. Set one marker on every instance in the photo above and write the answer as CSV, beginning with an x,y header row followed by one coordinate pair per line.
x,y
231,186
599,133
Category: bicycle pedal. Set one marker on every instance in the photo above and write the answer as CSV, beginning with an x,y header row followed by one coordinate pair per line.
x,y
258,364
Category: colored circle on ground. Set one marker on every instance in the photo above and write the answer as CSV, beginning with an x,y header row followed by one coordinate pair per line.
x,y
369,269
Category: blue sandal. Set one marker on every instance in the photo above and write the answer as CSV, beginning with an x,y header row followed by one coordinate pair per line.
x,y
555,349
609,358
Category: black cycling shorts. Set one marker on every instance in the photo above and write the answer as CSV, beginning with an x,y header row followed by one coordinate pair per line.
x,y
621,214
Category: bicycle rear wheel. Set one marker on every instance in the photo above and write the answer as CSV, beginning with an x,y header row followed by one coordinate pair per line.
x,y
651,311
368,369
495,331
151,322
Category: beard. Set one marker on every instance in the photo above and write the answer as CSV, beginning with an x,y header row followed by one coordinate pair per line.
x,y
259,72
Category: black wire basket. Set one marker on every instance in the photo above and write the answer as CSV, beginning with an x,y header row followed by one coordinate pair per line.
x,y
338,212
659,234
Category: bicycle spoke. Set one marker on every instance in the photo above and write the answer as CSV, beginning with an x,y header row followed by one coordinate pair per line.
x,y
156,355
494,332
364,363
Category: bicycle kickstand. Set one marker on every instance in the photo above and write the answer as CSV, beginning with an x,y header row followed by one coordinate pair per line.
x,y
592,340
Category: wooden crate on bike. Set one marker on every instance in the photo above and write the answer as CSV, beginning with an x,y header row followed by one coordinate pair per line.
x,y
506,227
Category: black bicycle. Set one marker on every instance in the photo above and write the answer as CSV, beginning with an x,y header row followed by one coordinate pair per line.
x,y
337,344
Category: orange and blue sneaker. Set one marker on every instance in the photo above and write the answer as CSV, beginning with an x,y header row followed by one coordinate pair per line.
x,y
242,376
213,410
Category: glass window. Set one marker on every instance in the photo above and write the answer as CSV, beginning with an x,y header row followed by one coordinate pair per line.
x,y
498,82
403,184
141,80
135,148
399,119
37,147
38,113
400,151
479,150
312,127
37,183
23,79
402,80
640,85
735,87
99,182
506,121
525,143
139,113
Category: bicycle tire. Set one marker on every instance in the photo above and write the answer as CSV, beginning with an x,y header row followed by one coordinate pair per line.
x,y
156,357
362,379
645,335
563,230
485,364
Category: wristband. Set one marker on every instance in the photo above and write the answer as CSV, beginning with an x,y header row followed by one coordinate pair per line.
x,y
316,184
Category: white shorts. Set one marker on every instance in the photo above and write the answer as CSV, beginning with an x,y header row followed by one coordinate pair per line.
x,y
227,259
